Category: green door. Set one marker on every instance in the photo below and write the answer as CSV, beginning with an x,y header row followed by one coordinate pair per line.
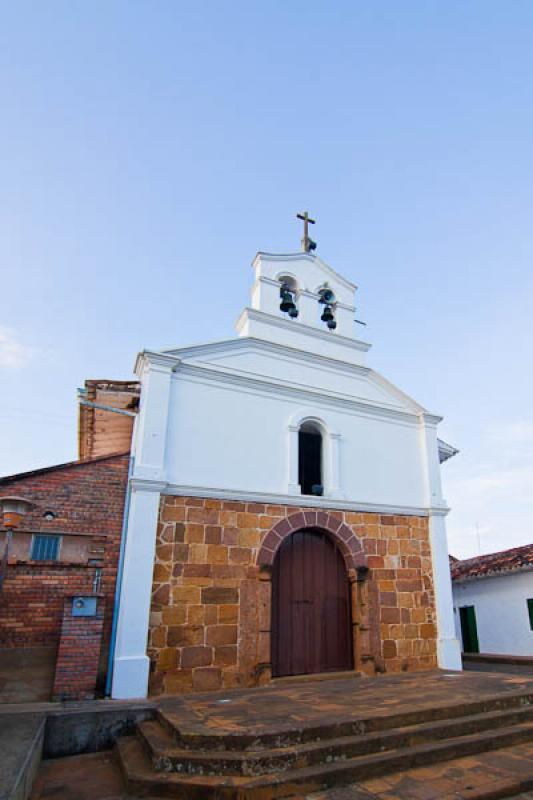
x,y
469,629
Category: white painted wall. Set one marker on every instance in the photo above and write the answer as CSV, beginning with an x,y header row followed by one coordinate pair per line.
x,y
222,420
234,437
501,612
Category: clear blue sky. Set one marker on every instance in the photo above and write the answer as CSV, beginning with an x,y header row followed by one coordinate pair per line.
x,y
148,150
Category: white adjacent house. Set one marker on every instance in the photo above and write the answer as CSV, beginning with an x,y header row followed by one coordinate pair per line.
x,y
493,602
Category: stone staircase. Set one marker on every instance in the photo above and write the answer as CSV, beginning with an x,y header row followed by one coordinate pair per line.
x,y
162,762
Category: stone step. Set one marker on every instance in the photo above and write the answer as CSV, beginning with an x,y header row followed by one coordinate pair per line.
x,y
142,780
294,734
167,756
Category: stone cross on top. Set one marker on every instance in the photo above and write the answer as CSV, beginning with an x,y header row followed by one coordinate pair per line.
x,y
307,243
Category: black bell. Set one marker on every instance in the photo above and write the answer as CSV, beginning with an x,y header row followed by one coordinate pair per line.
x,y
327,314
293,312
326,296
332,324
287,303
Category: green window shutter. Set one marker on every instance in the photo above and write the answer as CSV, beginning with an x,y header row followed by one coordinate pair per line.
x,y
469,629
530,612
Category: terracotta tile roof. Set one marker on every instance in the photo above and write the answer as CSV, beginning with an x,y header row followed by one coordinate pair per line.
x,y
516,559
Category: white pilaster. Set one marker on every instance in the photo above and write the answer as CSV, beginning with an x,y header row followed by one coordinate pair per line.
x,y
294,485
131,664
150,442
448,647
333,489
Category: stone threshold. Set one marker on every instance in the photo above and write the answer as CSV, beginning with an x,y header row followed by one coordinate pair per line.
x,y
315,676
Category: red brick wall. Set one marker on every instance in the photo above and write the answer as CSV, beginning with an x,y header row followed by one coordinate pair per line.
x,y
31,604
86,498
79,652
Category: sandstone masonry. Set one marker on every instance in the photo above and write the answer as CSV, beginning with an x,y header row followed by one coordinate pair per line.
x,y
211,598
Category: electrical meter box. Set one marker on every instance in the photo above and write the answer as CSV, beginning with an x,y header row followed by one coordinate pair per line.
x,y
84,607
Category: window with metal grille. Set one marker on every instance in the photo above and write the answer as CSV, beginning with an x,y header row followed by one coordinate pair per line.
x,y
530,612
45,548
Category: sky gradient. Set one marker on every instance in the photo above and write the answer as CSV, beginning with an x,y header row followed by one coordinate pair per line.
x,y
148,150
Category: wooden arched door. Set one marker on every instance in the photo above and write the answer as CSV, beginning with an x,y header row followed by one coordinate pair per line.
x,y
311,607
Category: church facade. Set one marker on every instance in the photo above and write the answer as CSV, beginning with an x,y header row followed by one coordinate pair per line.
x,y
286,514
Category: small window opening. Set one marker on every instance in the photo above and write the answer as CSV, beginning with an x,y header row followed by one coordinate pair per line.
x,y
530,612
45,548
310,460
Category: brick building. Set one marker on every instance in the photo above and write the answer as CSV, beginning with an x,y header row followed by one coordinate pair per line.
x,y
286,514
69,543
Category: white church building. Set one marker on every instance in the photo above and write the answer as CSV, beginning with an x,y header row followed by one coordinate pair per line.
x,y
286,513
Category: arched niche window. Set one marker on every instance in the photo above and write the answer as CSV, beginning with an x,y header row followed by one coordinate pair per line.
x,y
314,459
310,459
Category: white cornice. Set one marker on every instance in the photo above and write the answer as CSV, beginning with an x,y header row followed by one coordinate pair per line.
x,y
431,419
415,407
155,358
283,499
178,364
230,379
263,345
300,327
147,485
301,256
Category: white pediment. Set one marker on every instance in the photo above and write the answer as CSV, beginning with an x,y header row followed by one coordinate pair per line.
x,y
287,367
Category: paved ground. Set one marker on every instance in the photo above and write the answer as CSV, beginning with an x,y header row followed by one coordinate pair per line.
x,y
26,675
277,708
97,777
286,706
91,777
21,738
452,780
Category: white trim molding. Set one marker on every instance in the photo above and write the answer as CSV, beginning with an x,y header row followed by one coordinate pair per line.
x,y
308,330
300,500
301,256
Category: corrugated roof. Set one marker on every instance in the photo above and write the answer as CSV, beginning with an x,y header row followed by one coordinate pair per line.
x,y
517,559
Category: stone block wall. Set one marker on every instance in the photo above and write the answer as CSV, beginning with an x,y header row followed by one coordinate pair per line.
x,y
211,601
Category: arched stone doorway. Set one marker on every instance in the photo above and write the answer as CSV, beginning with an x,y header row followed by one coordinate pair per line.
x,y
364,638
311,606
